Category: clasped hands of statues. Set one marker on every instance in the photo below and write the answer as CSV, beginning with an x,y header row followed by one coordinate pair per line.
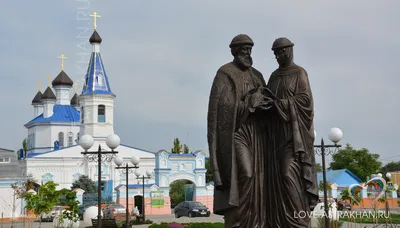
x,y
260,98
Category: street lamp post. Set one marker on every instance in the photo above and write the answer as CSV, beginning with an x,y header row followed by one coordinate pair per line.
x,y
127,169
387,178
335,135
143,177
99,156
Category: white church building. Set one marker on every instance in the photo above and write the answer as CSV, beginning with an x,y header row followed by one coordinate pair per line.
x,y
61,116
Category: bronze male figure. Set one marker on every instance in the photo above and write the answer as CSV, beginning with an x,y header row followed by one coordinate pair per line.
x,y
236,138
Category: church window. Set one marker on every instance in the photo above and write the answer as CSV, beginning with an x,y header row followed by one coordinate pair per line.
x,y
4,160
33,140
61,139
77,137
82,115
101,114
47,177
70,138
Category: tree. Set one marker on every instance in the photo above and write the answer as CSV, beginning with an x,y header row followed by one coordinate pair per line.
x,y
177,146
86,184
185,149
360,162
68,198
391,167
177,191
321,186
42,202
29,184
318,167
209,174
24,147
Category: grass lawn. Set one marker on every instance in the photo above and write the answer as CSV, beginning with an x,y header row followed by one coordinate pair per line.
x,y
371,217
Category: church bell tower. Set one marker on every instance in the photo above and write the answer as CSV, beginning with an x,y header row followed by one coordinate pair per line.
x,y
96,102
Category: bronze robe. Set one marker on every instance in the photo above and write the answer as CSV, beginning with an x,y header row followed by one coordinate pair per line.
x,y
236,141
290,174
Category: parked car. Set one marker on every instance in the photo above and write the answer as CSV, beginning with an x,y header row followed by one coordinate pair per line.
x,y
191,209
343,204
57,210
111,210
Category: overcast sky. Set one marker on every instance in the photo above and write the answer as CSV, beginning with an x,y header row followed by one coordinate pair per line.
x,y
161,57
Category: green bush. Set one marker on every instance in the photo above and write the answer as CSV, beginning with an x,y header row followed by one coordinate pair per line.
x,y
139,222
159,226
191,225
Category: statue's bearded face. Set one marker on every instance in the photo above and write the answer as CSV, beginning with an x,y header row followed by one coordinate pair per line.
x,y
243,56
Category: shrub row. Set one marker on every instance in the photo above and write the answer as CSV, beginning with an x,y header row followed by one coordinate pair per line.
x,y
188,225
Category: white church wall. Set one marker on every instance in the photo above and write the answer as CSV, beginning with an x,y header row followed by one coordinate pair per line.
x,y
41,138
60,170
66,129
10,206
91,125
45,136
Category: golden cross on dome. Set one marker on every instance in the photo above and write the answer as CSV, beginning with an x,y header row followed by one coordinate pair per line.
x,y
38,85
95,16
62,57
48,80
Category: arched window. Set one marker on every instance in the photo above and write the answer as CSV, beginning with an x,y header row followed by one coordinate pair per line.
x,y
70,138
33,140
77,137
82,115
61,139
101,114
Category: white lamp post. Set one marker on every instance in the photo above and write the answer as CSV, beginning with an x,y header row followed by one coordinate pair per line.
x,y
126,169
139,176
335,135
86,142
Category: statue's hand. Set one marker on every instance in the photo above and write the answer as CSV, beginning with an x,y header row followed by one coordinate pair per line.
x,y
266,104
257,98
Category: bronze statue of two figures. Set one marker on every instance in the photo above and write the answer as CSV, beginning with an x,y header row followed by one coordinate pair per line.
x,y
261,138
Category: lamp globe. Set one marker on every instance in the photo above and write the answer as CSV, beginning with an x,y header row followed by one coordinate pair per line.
x,y
86,142
113,141
335,134
118,160
135,160
138,173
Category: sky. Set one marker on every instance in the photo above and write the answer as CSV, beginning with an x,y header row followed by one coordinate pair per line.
x,y
161,58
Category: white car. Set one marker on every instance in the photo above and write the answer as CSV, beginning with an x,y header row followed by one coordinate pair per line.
x,y
57,210
113,209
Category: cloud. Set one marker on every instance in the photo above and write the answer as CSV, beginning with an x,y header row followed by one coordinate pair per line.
x,y
161,59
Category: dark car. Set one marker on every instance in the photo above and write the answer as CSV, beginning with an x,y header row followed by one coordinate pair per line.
x,y
342,205
191,209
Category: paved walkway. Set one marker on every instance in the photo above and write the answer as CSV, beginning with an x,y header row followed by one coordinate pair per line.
x,y
170,218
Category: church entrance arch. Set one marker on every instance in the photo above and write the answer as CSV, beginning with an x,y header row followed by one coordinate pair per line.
x,y
181,190
187,173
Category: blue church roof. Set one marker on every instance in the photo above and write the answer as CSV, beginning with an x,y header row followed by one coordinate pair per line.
x,y
61,113
341,177
96,80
